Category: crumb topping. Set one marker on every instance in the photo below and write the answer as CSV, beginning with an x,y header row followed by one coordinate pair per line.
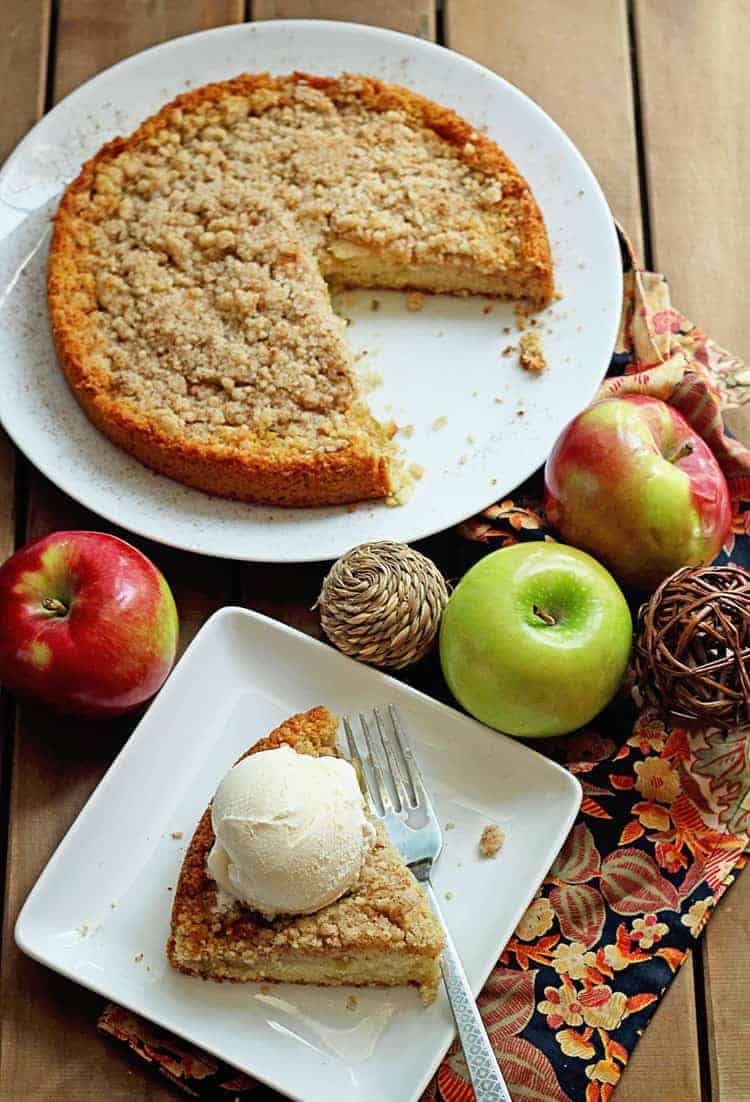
x,y
207,243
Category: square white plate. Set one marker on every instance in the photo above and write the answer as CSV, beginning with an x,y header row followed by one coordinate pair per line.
x,y
100,911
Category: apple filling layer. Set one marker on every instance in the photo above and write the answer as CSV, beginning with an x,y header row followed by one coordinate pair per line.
x,y
373,968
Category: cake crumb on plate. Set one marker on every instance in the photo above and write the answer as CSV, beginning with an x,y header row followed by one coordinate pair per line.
x,y
352,1002
439,423
491,841
414,301
531,353
177,834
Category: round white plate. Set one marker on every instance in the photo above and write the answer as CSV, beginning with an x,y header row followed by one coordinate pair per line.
x,y
440,366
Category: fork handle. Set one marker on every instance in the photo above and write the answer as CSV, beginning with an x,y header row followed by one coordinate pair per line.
x,y
488,1083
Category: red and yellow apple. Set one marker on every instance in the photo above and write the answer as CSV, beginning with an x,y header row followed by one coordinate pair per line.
x,y
633,484
87,624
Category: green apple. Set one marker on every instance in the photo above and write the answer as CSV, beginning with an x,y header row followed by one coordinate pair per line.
x,y
535,639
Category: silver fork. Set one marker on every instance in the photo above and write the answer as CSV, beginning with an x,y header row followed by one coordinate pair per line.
x,y
406,809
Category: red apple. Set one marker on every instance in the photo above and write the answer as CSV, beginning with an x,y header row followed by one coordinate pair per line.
x,y
87,624
630,482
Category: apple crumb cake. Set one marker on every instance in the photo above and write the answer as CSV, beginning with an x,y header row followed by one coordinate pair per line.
x,y
189,270
383,933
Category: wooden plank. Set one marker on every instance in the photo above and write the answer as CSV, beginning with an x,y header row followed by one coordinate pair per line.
x,y
726,971
664,1064
49,1046
694,94
23,65
577,69
415,17
23,62
92,36
588,91
695,87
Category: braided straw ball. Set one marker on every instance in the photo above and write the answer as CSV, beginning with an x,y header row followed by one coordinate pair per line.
x,y
692,645
381,603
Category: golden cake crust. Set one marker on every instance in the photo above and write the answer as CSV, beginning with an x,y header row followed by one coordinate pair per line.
x,y
386,914
258,466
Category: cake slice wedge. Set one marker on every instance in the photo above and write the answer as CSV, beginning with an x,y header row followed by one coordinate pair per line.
x,y
383,933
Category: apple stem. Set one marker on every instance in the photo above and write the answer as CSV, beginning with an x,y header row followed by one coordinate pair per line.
x,y
685,450
544,616
51,604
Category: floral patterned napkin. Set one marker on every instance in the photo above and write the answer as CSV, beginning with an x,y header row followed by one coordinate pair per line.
x,y
663,826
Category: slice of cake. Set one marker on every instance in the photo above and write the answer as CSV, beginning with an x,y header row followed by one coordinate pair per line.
x,y
383,932
188,266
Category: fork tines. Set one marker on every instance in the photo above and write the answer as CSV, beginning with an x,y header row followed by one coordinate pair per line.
x,y
402,770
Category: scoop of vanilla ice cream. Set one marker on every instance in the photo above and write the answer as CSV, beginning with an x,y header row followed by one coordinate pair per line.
x,y
291,832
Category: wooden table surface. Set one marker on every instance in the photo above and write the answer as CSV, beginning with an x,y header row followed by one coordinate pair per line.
x,y
655,95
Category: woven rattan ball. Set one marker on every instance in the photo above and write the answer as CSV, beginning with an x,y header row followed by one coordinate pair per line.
x,y
381,603
692,646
